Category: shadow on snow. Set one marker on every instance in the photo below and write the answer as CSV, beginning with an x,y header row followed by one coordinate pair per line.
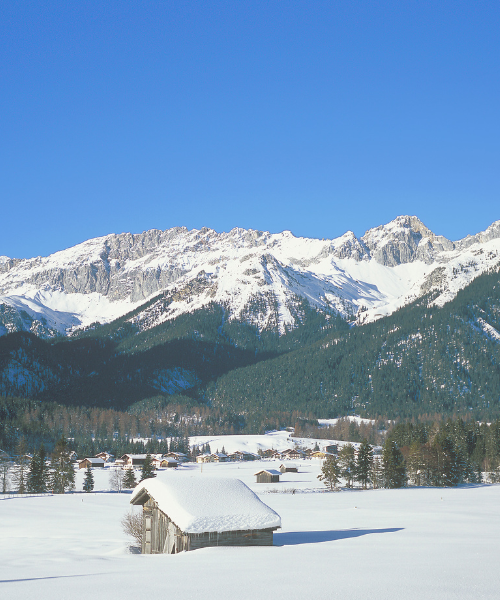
x,y
294,538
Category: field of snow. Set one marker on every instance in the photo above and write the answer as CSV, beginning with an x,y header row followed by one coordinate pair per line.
x,y
379,544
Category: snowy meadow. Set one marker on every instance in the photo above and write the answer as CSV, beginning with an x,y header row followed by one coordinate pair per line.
x,y
389,544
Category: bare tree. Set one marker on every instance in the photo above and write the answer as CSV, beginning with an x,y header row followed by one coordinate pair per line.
x,y
116,477
5,467
132,526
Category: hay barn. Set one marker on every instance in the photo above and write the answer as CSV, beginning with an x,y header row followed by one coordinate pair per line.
x,y
268,476
183,512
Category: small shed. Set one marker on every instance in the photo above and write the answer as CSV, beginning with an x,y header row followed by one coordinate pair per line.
x,y
289,468
184,512
92,462
267,476
167,462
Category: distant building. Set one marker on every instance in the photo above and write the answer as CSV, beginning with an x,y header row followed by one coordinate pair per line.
x,y
331,449
182,512
106,456
289,468
167,462
292,454
220,457
133,460
320,454
242,455
204,458
179,456
93,463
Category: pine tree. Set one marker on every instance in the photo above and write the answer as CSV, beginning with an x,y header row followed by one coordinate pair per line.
x,y
377,473
148,470
88,482
129,481
394,467
347,463
5,467
38,472
364,464
62,476
330,472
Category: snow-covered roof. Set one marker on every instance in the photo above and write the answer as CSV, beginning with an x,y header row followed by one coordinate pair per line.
x,y
135,455
94,461
270,471
198,504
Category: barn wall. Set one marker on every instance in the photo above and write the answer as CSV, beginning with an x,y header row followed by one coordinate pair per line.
x,y
258,537
162,536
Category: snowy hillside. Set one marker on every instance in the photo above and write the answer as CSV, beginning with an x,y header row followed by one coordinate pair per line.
x,y
259,277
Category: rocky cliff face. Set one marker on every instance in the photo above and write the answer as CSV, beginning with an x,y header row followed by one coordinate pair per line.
x,y
105,277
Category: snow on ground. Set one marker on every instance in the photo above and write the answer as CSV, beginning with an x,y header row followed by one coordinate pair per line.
x,y
272,440
352,418
432,543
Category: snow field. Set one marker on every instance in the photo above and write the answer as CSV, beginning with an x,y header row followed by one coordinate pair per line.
x,y
417,543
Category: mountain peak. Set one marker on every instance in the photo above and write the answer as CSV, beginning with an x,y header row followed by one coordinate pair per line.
x,y
403,240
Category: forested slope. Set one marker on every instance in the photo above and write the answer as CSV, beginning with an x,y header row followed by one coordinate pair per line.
x,y
421,360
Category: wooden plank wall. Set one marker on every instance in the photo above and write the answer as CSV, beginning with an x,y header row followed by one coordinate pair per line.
x,y
156,527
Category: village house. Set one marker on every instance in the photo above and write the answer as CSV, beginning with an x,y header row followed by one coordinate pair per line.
x,y
319,454
267,476
204,458
266,453
331,449
106,456
183,512
179,456
243,455
156,460
91,462
133,460
292,454
219,457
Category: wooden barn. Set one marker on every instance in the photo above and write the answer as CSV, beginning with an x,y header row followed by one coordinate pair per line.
x,y
268,476
167,462
185,512
289,468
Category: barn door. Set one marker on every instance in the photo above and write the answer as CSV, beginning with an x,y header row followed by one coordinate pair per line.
x,y
170,545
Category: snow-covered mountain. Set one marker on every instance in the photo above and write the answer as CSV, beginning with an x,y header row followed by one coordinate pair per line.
x,y
259,277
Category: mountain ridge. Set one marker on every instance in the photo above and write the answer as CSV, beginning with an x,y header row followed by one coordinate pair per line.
x,y
258,276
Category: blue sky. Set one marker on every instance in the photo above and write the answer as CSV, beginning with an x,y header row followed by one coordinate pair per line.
x,y
317,117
